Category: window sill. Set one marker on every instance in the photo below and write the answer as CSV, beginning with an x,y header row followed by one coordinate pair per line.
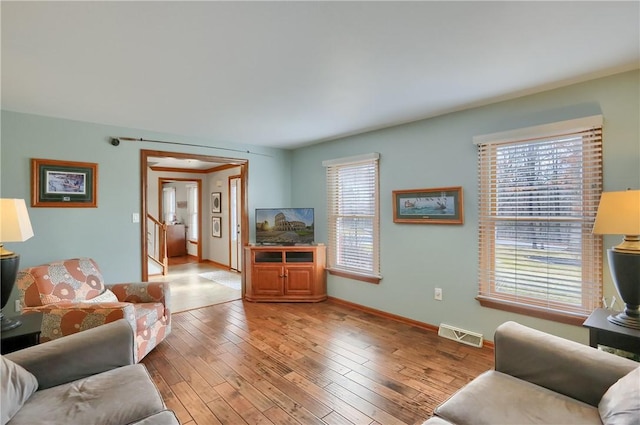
x,y
541,313
355,276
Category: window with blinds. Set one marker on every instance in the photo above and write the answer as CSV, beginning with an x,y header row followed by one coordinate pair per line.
x,y
353,217
539,190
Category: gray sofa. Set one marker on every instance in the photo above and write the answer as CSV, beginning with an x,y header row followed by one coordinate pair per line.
x,y
543,379
85,378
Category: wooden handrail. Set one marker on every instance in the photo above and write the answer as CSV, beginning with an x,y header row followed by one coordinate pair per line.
x,y
157,247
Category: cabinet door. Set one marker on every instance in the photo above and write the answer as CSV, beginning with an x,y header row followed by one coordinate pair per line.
x,y
299,281
267,280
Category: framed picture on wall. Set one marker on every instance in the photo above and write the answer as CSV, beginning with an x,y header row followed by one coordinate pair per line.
x,y
63,184
216,227
441,205
216,202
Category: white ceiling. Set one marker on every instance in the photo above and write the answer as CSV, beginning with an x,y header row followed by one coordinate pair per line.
x,y
287,74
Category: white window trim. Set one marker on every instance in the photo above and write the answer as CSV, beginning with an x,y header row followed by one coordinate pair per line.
x,y
533,134
374,276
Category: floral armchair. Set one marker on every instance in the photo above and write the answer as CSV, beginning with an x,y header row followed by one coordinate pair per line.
x,y
73,297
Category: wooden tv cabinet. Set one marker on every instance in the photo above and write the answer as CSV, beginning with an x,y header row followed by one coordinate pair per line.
x,y
285,273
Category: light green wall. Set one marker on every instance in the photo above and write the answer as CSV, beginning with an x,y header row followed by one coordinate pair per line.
x,y
415,258
106,233
439,152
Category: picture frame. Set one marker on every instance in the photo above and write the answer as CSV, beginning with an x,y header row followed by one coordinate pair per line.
x,y
440,205
216,227
216,202
63,184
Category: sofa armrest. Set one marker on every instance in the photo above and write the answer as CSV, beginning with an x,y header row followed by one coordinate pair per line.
x,y
79,355
142,292
561,365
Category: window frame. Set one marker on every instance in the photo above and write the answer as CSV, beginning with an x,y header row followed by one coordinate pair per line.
x,y
334,267
488,221
192,212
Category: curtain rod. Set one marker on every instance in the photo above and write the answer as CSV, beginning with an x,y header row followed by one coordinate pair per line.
x,y
115,141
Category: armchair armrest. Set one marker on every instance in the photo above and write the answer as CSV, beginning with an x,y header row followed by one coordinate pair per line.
x,y
62,319
561,365
142,292
79,355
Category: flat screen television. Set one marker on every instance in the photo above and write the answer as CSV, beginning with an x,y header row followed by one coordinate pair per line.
x,y
284,226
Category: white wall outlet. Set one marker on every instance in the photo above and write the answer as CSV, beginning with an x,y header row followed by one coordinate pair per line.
x,y
437,294
18,306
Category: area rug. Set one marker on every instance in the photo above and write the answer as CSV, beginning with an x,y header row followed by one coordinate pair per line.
x,y
229,279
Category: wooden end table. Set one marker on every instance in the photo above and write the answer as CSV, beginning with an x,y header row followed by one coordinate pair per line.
x,y
25,335
603,332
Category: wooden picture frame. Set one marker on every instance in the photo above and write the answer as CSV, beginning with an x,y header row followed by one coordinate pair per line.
x,y
441,205
63,184
216,227
216,202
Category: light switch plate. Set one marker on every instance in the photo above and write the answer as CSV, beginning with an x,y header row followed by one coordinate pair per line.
x,y
135,218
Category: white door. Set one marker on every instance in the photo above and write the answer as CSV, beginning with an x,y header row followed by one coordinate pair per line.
x,y
235,227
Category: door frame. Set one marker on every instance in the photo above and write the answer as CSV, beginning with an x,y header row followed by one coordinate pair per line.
x,y
243,229
145,154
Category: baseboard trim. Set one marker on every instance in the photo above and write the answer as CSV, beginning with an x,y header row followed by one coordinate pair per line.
x,y
218,265
401,319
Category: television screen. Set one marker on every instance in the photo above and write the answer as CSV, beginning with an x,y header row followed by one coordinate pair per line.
x,y
284,226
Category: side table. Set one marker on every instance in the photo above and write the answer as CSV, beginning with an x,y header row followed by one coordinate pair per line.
x,y
25,335
603,332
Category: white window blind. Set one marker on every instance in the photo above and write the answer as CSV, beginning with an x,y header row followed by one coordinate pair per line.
x,y
192,211
538,199
169,204
353,215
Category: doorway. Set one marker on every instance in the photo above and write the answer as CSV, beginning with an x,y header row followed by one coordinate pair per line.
x,y
235,228
152,161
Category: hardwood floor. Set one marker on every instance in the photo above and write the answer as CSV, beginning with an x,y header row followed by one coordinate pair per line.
x,y
324,363
189,290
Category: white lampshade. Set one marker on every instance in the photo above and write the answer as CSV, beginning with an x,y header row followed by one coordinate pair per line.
x,y
14,221
619,214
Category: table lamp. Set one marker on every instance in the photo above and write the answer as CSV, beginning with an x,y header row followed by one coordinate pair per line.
x,y
619,214
14,227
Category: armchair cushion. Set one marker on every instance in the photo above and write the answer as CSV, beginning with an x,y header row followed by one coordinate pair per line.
x,y
621,403
106,297
73,280
17,386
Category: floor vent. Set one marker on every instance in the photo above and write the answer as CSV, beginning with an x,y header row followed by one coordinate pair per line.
x,y
460,335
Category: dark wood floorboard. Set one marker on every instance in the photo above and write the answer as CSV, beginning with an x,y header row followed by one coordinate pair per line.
x,y
288,363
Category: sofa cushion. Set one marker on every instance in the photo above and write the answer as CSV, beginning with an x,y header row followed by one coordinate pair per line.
x,y
620,405
119,396
497,398
17,386
166,417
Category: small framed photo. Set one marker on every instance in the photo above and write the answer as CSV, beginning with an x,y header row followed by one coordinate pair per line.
x,y
63,184
442,205
216,227
216,202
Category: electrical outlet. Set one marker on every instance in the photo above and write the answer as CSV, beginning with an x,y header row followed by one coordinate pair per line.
x,y
437,294
18,306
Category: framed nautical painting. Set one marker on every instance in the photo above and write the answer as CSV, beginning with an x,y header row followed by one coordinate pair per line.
x,y
441,205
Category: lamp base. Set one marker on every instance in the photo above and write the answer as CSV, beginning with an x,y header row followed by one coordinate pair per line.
x,y
622,319
8,324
